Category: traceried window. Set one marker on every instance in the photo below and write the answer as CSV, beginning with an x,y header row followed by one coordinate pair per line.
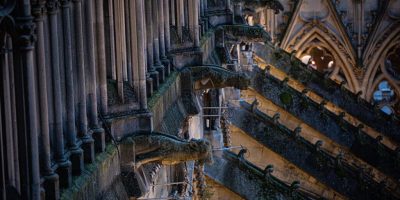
x,y
319,59
385,97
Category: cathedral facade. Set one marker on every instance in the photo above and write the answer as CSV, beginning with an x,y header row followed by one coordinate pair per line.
x,y
199,99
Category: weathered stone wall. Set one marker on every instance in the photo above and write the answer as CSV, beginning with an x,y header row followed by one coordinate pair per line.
x,y
164,98
99,179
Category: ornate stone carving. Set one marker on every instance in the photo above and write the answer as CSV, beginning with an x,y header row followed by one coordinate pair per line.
x,y
168,149
52,6
245,33
205,77
26,29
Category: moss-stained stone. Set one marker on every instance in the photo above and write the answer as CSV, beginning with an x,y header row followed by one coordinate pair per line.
x,y
219,77
246,33
96,178
286,98
173,119
168,93
154,100
206,37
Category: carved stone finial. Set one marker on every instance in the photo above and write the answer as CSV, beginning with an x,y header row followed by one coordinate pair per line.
x,y
241,153
295,185
379,138
285,81
342,115
297,131
318,145
339,159
269,169
322,104
254,105
276,117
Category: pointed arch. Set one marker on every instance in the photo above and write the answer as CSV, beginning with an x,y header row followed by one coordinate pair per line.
x,y
377,59
346,61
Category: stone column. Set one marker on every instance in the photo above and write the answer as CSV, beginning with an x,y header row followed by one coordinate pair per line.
x,y
101,55
2,163
167,36
87,141
129,47
161,20
237,10
134,47
26,105
201,8
51,178
228,5
156,36
161,23
205,6
64,165
195,22
202,17
141,51
149,38
180,17
119,46
111,40
96,131
76,156
167,26
173,12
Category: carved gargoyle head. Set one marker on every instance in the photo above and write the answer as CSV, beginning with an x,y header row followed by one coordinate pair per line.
x,y
241,81
202,149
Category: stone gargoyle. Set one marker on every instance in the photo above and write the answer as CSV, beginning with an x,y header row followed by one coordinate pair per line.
x,y
244,33
206,77
165,149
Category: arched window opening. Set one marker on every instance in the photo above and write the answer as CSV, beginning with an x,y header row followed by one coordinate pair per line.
x,y
319,59
392,62
385,97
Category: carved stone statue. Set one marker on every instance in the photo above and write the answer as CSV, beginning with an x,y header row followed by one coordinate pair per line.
x,y
169,150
